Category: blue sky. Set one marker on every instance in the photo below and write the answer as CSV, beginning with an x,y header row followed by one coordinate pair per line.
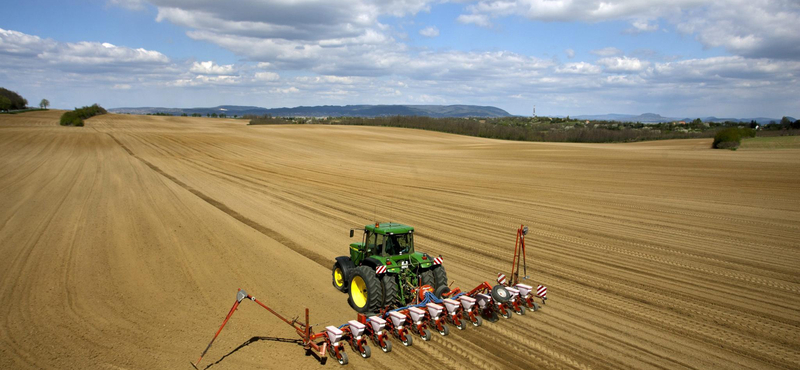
x,y
732,58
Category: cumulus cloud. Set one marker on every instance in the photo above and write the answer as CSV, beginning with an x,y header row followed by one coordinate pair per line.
x,y
211,68
642,25
570,53
623,64
30,51
429,31
757,28
751,28
579,10
578,68
267,76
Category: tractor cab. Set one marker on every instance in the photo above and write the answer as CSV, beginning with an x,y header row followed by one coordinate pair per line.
x,y
382,241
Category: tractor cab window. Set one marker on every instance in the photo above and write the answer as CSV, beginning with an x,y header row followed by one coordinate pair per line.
x,y
399,244
370,243
378,245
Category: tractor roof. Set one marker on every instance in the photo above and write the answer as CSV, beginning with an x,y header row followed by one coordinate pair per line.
x,y
389,228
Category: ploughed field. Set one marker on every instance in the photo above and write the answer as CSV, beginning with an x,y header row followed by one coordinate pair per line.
x,y
123,243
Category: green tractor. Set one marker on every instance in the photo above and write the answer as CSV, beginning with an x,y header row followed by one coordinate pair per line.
x,y
384,271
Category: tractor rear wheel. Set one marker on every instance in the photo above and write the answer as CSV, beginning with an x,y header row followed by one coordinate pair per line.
x,y
338,277
439,277
366,293
390,297
428,278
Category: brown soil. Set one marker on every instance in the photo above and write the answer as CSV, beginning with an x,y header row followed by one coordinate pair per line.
x,y
123,243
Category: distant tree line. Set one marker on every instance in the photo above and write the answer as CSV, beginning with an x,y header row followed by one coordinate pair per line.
x,y
549,129
267,119
211,115
76,117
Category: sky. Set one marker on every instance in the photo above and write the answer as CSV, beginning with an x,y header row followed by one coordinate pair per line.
x,y
678,58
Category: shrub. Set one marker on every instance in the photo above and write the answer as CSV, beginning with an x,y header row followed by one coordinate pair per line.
x,y
76,117
730,138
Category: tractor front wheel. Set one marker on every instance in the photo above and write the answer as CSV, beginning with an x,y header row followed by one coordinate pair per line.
x,y
338,276
366,293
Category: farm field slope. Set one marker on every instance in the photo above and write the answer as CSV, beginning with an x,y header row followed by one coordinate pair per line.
x,y
124,242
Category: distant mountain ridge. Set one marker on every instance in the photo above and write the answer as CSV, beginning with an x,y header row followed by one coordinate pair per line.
x,y
657,118
436,111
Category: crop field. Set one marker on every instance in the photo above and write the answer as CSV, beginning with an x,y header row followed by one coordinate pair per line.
x,y
773,142
123,243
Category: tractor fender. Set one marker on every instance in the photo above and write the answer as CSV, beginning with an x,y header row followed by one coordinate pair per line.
x,y
371,262
347,267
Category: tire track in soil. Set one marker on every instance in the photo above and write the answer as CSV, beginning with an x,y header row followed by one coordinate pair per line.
x,y
272,234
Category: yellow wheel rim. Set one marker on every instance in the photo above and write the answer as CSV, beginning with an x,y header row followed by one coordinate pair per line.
x,y
338,277
358,291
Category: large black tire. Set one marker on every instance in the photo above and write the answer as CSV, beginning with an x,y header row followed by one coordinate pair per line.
x,y
428,278
439,277
339,282
390,297
366,293
500,294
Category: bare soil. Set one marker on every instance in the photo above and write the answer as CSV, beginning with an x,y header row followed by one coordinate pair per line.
x,y
123,244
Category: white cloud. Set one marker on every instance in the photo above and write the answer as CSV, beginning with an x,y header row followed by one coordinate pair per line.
x,y
288,90
578,68
752,28
642,25
267,76
579,10
79,56
757,28
623,64
570,53
211,68
429,31
476,19
203,80
121,87
607,52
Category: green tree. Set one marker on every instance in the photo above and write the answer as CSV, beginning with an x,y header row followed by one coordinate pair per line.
x,y
44,104
5,103
697,122
786,122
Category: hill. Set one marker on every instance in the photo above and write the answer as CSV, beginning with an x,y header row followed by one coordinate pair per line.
x,y
437,111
